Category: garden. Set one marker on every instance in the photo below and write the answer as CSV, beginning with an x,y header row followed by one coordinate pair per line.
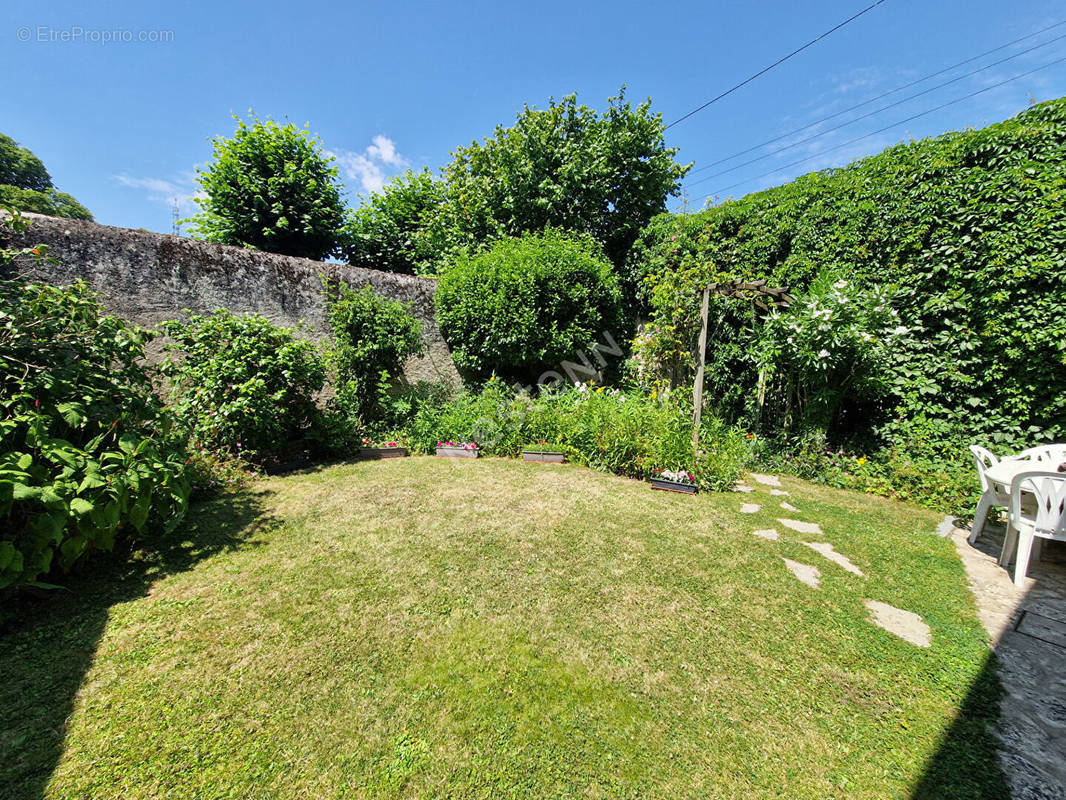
x,y
261,564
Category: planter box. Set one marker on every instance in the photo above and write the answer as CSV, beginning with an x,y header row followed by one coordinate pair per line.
x,y
543,456
456,452
673,486
371,453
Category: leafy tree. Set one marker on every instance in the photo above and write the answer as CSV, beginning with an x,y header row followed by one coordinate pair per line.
x,y
26,185
399,228
273,188
528,304
566,167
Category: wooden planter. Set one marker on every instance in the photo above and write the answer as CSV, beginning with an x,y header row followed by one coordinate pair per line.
x,y
456,452
373,453
673,486
544,456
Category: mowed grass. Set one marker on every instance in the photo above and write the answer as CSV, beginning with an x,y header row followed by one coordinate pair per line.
x,y
465,629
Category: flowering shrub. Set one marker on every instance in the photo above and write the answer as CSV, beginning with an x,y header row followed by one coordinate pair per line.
x,y
371,443
459,445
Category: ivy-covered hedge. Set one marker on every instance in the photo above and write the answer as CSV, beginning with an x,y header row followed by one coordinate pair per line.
x,y
967,230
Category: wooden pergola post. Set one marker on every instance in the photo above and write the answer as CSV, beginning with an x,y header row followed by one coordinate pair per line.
x,y
697,388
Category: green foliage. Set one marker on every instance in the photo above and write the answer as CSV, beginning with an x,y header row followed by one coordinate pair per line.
x,y
88,454
567,167
400,228
245,386
26,185
967,228
273,188
528,304
372,337
627,433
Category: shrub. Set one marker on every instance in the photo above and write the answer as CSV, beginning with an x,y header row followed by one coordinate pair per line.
x,y
526,305
273,188
245,386
625,432
88,454
372,335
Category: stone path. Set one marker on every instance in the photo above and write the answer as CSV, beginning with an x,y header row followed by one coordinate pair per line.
x,y
826,549
788,507
1022,623
766,480
804,572
905,624
740,487
778,493
750,508
801,527
768,533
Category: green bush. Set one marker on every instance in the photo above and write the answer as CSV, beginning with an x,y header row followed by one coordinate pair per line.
x,y
271,187
627,433
372,337
88,454
528,304
26,185
245,386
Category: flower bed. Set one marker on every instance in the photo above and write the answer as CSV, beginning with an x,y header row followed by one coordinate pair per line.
x,y
457,449
544,453
374,450
679,481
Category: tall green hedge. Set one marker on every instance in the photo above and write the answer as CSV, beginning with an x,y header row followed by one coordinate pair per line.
x,y
967,228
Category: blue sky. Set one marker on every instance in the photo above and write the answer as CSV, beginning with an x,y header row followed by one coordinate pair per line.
x,y
123,125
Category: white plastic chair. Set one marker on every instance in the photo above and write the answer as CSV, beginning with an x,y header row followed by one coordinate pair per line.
x,y
1053,454
992,494
1044,519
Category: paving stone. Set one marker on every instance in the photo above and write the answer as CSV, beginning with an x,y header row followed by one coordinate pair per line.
x,y
749,508
740,487
905,624
788,506
826,549
778,493
805,573
766,480
768,533
801,527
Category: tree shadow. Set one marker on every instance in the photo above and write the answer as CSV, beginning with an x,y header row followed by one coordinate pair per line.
x,y
47,643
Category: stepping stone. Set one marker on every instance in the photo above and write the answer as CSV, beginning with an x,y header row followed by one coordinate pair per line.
x,y
778,493
788,507
749,508
907,625
827,550
805,573
766,480
801,527
740,487
769,533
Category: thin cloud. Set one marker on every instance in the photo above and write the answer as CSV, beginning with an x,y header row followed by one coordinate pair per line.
x,y
371,167
180,191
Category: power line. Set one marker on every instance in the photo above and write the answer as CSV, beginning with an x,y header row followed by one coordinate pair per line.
x,y
888,127
906,99
776,63
878,97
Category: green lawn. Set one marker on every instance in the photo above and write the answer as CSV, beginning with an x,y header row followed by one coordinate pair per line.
x,y
433,628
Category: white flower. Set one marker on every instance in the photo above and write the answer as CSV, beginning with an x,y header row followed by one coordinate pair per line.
x,y
899,330
840,284
823,355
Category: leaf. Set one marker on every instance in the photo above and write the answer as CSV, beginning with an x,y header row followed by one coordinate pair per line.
x,y
80,506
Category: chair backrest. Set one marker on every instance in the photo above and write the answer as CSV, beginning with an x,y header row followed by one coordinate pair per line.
x,y
1045,454
1048,515
983,459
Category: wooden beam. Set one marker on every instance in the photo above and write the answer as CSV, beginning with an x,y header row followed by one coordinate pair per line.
x,y
697,387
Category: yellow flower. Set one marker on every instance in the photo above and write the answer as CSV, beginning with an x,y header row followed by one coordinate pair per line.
x,y
861,461
600,390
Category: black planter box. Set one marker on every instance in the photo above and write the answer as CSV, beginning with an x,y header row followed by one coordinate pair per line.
x,y
373,453
673,486
544,456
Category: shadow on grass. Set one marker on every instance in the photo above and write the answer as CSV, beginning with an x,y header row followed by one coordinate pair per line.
x,y
47,643
966,764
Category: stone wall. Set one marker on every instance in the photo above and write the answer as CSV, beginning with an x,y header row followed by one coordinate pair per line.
x,y
151,277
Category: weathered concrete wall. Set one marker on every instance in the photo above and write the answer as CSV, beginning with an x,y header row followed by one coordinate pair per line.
x,y
151,277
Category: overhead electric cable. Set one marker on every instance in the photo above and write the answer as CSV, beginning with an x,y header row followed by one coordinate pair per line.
x,y
888,127
878,97
779,61
868,114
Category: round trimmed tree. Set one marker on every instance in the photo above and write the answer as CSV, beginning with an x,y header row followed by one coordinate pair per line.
x,y
527,305
271,187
